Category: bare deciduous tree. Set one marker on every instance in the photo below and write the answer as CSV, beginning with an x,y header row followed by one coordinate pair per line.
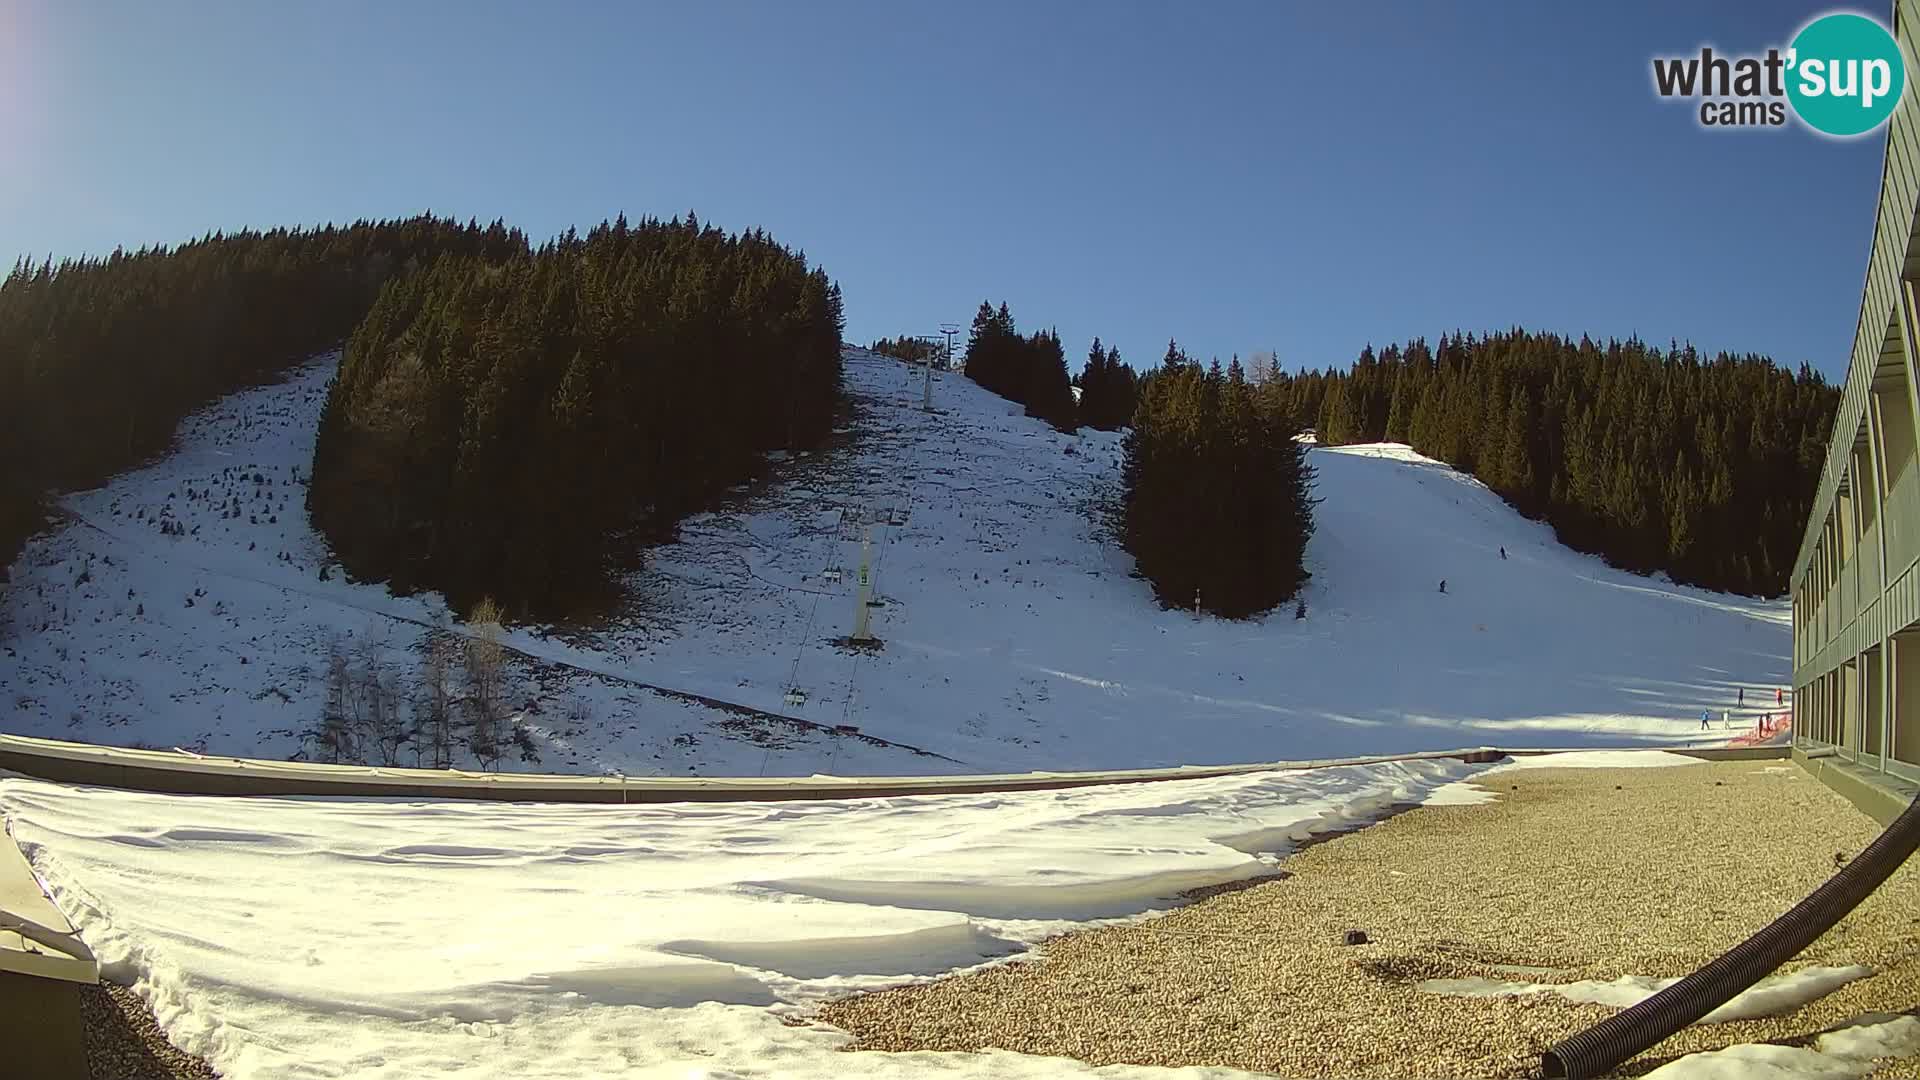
x,y
485,658
433,739
334,735
1262,366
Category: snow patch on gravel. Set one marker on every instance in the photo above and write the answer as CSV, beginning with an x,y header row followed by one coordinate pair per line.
x,y
1841,1054
1599,759
1770,996
1469,793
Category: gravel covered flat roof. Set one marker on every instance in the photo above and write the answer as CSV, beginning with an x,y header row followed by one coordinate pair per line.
x,y
1570,874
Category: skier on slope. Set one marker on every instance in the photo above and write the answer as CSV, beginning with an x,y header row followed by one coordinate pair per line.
x,y
1443,584
1503,554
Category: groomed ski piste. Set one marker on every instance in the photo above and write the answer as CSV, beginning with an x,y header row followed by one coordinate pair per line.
x,y
182,605
314,937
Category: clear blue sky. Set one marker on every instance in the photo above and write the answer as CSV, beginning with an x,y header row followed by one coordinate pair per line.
x,y
1303,177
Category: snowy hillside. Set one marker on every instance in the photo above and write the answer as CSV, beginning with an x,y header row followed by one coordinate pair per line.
x,y
1014,636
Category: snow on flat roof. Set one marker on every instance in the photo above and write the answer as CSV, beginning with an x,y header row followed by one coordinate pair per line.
x,y
387,938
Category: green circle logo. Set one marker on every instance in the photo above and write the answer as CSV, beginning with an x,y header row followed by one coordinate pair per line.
x,y
1845,74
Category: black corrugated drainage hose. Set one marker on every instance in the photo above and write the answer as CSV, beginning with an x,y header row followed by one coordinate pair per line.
x,y
1626,1033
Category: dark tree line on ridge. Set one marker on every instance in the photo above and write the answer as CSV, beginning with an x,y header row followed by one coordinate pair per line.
x,y
1032,371
519,428
1656,460
100,358
1217,503
1109,389
911,349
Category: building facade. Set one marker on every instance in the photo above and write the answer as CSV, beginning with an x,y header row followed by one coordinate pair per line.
x,y
1856,589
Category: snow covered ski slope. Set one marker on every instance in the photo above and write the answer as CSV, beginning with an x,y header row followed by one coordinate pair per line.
x,y
1014,636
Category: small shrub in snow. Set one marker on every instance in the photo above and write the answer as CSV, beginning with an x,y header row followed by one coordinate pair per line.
x,y
579,713
523,742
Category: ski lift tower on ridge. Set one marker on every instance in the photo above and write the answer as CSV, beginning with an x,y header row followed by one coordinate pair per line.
x,y
926,393
949,329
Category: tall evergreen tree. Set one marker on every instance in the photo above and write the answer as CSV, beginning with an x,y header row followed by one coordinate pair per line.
x,y
1106,389
1049,391
1216,493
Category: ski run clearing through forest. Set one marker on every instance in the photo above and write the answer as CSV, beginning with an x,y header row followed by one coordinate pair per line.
x,y
1014,634
314,937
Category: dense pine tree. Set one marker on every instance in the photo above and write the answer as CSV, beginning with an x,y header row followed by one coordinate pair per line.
x,y
994,355
1217,493
1030,371
518,427
1107,389
1049,394
101,358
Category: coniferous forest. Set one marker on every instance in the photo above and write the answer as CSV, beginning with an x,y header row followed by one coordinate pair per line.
x,y
1108,389
100,358
1030,370
1217,493
488,386
1656,460
911,349
513,428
